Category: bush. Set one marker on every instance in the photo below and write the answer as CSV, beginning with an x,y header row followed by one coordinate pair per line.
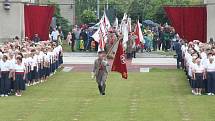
x,y
88,16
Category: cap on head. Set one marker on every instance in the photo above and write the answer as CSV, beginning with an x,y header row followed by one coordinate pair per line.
x,y
101,52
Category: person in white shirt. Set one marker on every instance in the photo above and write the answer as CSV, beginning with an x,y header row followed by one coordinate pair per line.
x,y
52,60
19,76
199,76
5,82
46,64
12,62
203,55
210,69
54,35
33,64
41,64
190,74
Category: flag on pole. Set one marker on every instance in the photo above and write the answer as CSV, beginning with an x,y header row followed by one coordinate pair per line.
x,y
129,24
139,34
116,24
119,63
125,30
100,36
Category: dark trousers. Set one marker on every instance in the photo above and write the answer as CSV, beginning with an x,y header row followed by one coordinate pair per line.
x,y
166,45
179,58
211,82
134,54
199,82
155,45
129,55
102,88
101,83
160,42
182,63
73,45
5,83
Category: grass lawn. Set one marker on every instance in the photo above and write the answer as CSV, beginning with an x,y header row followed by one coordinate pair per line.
x,y
168,53
161,95
66,47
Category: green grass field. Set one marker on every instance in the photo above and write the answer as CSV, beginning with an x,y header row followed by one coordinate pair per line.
x,y
161,95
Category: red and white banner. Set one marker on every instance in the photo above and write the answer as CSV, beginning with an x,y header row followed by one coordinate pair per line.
x,y
119,63
139,34
100,35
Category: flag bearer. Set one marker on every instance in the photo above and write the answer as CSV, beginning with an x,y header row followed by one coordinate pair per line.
x,y
100,71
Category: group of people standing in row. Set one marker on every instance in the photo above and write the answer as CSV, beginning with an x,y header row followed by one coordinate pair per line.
x,y
27,63
155,38
198,61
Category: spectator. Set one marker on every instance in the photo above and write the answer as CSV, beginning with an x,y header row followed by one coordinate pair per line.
x,y
55,35
36,38
178,53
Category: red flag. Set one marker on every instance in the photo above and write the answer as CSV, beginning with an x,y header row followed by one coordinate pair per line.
x,y
138,33
119,63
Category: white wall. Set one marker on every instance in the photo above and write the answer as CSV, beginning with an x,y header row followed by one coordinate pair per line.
x,y
11,21
67,11
209,1
211,21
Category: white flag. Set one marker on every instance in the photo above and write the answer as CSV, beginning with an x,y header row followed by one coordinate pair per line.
x,y
104,26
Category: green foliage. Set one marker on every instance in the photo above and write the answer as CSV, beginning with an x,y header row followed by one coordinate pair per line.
x,y
61,21
88,16
82,5
137,9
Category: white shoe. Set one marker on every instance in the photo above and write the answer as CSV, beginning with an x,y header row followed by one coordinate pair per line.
x,y
16,94
193,91
6,95
2,95
212,94
209,94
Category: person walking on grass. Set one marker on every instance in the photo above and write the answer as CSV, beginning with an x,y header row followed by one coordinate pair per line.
x,y
100,71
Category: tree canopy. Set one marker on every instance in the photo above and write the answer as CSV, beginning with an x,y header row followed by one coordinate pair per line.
x,y
136,9
88,16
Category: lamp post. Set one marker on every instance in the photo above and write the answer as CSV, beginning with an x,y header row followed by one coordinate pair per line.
x,y
107,5
6,5
98,2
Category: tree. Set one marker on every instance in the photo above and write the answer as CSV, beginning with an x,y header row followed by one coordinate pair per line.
x,y
88,16
61,21
135,10
142,9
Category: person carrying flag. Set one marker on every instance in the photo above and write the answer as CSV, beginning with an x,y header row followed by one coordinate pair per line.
x,y
100,71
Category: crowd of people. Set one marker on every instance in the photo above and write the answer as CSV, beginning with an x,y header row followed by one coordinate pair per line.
x,y
27,63
155,38
197,60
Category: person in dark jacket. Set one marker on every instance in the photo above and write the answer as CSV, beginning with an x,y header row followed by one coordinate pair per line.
x,y
178,53
36,38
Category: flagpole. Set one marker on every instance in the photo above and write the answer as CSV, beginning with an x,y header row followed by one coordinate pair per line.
x,y
109,51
